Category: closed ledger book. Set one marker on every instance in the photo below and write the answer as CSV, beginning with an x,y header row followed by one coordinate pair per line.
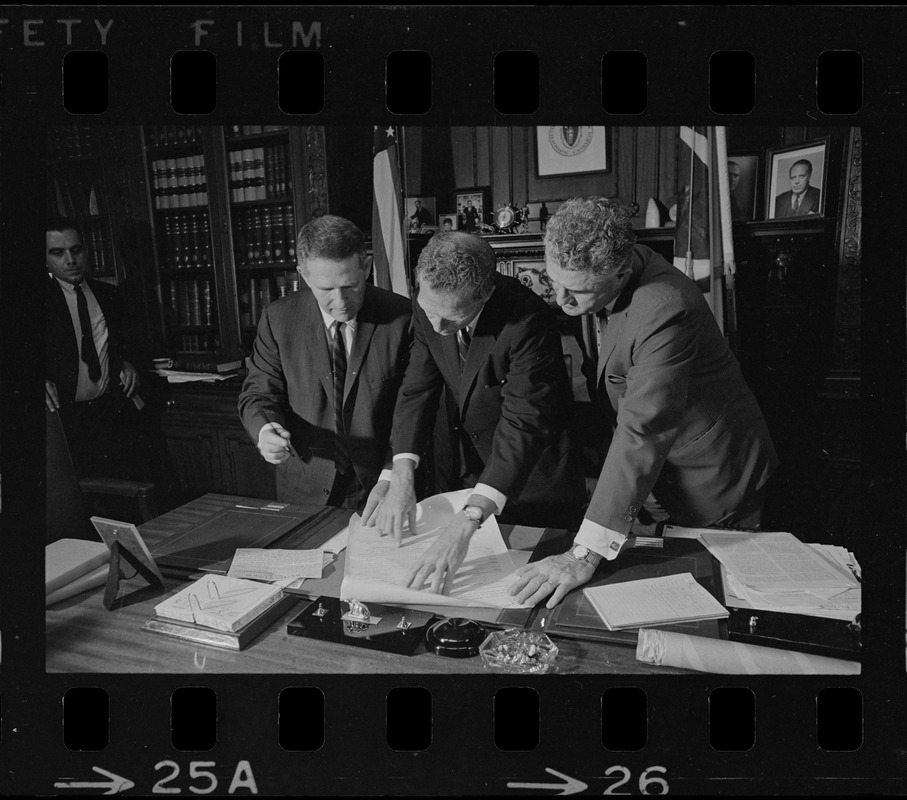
x,y
654,601
68,559
220,611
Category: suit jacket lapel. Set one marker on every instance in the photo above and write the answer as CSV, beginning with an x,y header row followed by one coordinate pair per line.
x,y
483,339
318,345
365,329
618,316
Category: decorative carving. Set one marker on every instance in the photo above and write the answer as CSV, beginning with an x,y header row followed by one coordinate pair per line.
x,y
316,170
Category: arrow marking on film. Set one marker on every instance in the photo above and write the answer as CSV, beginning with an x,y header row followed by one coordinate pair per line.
x,y
114,783
569,785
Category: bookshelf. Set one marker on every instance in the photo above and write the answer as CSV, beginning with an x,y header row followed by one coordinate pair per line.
x,y
227,202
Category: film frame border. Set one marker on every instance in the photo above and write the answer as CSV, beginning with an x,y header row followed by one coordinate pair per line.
x,y
30,712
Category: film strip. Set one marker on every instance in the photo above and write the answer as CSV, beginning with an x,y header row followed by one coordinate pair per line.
x,y
127,716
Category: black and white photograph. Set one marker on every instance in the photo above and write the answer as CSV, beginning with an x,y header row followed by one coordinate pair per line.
x,y
388,439
796,182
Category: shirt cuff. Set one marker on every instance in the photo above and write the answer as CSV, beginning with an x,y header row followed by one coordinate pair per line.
x,y
496,497
602,540
413,456
268,426
385,475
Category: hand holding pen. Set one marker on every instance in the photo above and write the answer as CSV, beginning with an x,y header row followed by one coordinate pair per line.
x,y
274,443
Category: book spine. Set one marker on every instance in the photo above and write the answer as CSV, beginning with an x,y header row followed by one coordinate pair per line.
x,y
275,228
267,245
258,167
248,176
289,233
253,301
236,176
205,248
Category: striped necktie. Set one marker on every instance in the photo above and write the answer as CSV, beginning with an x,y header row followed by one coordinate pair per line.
x,y
342,460
463,342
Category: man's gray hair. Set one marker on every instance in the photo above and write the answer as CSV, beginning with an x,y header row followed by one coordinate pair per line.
x,y
457,262
590,234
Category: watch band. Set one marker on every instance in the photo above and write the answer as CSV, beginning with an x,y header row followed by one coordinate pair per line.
x,y
582,553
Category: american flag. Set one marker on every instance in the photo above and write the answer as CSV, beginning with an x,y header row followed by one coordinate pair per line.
x,y
703,244
387,214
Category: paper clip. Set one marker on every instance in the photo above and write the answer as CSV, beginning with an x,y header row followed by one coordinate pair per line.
x,y
198,606
213,591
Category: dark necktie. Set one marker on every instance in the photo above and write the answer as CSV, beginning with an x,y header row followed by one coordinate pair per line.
x,y
796,203
338,356
463,342
89,352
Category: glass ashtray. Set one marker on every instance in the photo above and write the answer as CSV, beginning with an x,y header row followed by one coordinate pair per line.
x,y
515,650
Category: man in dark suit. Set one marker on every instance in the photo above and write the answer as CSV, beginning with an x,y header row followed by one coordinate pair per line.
x,y
493,343
733,177
420,216
686,427
325,369
88,379
802,199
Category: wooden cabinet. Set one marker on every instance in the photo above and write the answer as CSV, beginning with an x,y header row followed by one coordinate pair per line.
x,y
211,451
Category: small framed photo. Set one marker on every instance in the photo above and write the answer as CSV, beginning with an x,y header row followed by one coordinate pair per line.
x,y
571,150
743,181
420,211
448,222
796,180
473,207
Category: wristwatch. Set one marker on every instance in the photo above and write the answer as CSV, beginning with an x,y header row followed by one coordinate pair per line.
x,y
582,553
474,514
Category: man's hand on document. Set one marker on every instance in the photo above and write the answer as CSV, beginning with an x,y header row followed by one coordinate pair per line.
x,y
555,576
442,560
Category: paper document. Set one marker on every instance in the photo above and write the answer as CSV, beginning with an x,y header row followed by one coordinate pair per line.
x,y
275,565
376,569
653,601
775,561
219,602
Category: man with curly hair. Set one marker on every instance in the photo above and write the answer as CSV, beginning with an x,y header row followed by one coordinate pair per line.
x,y
686,427
493,343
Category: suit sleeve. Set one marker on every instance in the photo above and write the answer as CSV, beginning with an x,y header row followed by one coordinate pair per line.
x,y
649,416
419,395
264,394
535,399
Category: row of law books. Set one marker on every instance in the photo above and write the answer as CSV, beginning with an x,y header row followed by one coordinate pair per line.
x,y
179,182
72,141
234,131
258,293
193,301
195,343
163,135
100,249
259,173
264,235
185,241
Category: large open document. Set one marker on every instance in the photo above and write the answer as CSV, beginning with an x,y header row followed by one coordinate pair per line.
x,y
376,569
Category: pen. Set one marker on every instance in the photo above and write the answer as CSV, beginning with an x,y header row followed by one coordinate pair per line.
x,y
289,447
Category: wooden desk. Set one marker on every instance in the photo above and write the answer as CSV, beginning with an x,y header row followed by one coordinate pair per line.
x,y
82,636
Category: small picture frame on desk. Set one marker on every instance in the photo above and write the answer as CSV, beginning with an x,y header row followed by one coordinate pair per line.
x,y
420,212
448,222
473,206
797,180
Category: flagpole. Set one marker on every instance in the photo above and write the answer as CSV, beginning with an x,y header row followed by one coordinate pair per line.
x,y
727,238
404,228
689,262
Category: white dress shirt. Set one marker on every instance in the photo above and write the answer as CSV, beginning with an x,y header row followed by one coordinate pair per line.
x,y
86,388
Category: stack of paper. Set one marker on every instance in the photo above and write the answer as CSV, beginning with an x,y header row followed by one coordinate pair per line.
x,y
653,601
72,566
219,602
774,571
376,569
220,611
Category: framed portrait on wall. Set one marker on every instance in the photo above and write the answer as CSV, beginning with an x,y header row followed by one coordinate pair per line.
x,y
571,150
796,180
473,206
743,182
